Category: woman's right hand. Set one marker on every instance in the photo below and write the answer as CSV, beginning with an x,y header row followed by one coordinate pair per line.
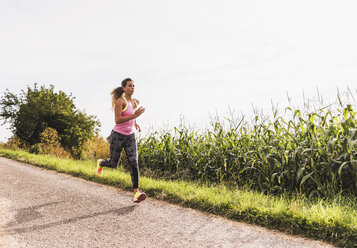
x,y
139,111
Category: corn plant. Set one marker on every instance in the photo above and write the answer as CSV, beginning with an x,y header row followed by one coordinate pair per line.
x,y
313,154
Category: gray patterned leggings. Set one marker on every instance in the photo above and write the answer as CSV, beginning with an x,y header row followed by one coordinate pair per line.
x,y
119,141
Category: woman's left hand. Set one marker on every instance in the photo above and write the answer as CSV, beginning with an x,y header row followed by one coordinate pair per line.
x,y
137,127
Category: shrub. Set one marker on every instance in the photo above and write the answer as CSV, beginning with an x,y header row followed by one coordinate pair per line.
x,y
14,143
96,148
35,149
50,144
50,137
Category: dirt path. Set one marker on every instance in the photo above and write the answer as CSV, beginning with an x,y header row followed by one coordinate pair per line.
x,y
41,208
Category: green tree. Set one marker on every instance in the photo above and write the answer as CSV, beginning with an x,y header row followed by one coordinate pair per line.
x,y
37,108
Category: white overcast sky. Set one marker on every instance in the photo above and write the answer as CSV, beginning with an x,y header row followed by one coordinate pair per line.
x,y
186,57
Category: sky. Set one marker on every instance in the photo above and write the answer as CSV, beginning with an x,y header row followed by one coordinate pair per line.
x,y
188,59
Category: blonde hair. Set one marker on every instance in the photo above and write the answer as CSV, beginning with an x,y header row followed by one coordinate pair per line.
x,y
116,94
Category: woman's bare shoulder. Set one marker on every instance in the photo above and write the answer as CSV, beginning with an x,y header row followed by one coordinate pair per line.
x,y
119,100
120,103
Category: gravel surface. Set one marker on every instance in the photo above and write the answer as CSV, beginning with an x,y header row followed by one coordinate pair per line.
x,y
41,208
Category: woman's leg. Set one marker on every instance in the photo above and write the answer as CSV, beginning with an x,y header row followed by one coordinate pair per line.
x,y
116,146
132,156
130,148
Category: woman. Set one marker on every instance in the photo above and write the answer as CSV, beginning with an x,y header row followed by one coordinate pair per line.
x,y
122,135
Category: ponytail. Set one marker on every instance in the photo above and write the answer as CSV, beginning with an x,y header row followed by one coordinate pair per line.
x,y
118,92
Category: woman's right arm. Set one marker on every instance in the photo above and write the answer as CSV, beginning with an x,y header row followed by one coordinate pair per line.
x,y
118,110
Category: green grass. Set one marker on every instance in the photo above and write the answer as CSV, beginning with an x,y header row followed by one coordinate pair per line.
x,y
334,221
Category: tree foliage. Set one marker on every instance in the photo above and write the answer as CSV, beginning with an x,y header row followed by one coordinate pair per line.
x,y
37,108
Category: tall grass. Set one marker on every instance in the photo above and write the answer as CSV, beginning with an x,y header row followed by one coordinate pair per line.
x,y
313,153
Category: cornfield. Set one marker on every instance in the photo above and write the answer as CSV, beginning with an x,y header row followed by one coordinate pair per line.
x,y
314,154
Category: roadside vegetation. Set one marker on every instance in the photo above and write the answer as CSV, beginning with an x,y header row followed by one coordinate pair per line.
x,y
333,220
294,171
37,112
314,156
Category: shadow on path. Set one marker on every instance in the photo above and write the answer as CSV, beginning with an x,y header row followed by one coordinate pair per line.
x,y
120,211
28,214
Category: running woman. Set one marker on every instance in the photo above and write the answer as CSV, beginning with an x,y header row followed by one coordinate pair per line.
x,y
122,136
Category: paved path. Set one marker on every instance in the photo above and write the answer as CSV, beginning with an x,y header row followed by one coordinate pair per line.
x,y
41,208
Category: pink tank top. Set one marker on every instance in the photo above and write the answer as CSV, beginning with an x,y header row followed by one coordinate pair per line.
x,y
126,128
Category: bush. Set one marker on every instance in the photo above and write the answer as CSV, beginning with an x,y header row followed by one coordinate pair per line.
x,y
36,149
50,144
49,137
14,143
57,151
96,148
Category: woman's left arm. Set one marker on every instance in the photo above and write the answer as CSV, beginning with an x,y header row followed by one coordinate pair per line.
x,y
135,124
